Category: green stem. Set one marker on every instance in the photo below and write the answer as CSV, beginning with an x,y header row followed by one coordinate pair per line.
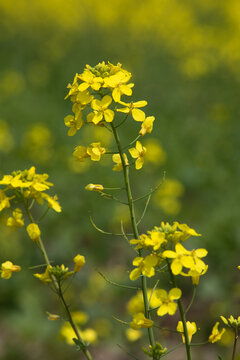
x,y
134,227
235,344
182,315
57,286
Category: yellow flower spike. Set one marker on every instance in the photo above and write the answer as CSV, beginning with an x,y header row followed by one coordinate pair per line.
x,y
145,266
89,80
80,153
181,257
94,187
33,231
133,108
191,329
166,301
96,151
74,123
231,321
7,268
44,277
140,321
138,153
147,125
16,221
101,110
79,262
216,334
117,159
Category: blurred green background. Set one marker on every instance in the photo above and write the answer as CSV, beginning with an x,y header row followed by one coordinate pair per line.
x,y
185,61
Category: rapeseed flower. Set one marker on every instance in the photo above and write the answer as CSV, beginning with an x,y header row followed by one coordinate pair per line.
x,y
101,110
4,200
133,108
138,153
181,257
117,159
16,220
79,262
118,84
147,125
94,187
7,268
89,80
231,321
145,266
80,153
140,321
95,151
45,277
33,231
191,329
216,334
74,123
166,301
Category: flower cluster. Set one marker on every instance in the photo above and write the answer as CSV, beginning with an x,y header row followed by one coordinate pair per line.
x,y
96,95
157,240
24,186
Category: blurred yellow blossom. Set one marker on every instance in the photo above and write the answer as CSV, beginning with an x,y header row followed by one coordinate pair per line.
x,y
33,231
7,268
16,220
140,321
167,196
95,151
94,187
133,335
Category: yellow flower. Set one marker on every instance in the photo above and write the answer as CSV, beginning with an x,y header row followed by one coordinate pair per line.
x,y
81,100
7,268
118,84
44,277
117,159
133,335
234,323
95,151
167,304
89,79
191,329
52,202
144,266
33,231
101,110
195,274
74,123
147,125
73,87
87,335
80,153
138,153
79,262
216,334
139,321
132,108
4,200
155,240
16,220
181,257
94,187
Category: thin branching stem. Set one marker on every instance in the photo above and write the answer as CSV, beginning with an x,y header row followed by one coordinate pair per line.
x,y
182,315
116,284
134,226
57,287
192,299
